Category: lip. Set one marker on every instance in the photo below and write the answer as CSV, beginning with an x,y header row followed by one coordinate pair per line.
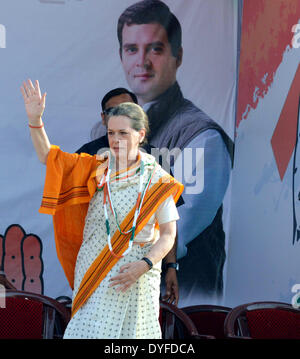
x,y
118,148
144,76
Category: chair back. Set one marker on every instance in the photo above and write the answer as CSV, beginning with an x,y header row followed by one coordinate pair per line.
x,y
263,320
32,316
208,319
175,324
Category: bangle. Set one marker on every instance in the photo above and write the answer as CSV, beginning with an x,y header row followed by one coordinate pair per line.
x,y
42,125
147,260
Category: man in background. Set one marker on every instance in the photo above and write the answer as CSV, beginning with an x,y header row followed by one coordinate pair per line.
x,y
113,98
151,52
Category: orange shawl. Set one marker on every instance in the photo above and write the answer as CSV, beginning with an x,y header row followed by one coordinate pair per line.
x,y
69,186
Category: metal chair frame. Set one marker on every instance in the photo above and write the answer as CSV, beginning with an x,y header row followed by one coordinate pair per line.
x,y
236,325
169,315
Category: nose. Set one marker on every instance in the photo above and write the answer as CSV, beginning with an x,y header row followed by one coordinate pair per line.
x,y
143,59
115,138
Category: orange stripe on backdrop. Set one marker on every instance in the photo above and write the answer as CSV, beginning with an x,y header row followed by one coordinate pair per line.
x,y
105,261
265,35
284,137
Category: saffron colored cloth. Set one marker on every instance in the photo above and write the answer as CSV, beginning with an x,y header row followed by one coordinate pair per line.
x,y
80,233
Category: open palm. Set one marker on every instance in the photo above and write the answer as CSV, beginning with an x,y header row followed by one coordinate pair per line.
x,y
34,102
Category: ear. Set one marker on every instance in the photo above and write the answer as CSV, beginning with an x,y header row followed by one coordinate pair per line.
x,y
179,57
120,53
142,133
103,120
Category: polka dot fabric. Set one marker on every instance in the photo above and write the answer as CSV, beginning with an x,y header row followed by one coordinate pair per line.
x,y
115,315
109,314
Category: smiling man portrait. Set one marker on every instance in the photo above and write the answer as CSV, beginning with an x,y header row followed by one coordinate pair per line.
x,y
151,51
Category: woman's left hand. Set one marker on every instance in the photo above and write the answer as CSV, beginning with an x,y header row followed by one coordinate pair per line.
x,y
129,274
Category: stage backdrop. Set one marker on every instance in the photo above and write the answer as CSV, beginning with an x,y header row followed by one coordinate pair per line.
x,y
264,244
71,47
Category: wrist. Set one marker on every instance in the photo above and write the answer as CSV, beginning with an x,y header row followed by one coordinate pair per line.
x,y
172,265
35,121
144,267
148,262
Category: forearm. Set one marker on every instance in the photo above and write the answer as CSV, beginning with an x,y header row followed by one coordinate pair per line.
x,y
164,244
129,273
171,256
40,139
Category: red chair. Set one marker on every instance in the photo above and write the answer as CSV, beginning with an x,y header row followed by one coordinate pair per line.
x,y
208,319
32,316
175,324
263,320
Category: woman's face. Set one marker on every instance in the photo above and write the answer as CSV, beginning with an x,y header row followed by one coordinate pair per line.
x,y
123,139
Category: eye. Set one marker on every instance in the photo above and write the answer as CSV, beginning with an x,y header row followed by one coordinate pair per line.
x,y
131,49
157,49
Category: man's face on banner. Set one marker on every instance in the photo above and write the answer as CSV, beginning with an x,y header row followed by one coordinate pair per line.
x,y
150,68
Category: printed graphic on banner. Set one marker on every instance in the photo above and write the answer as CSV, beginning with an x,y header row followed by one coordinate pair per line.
x,y
271,38
296,297
265,221
296,37
186,84
151,52
21,259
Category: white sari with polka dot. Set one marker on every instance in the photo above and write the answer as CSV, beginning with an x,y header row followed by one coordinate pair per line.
x,y
108,314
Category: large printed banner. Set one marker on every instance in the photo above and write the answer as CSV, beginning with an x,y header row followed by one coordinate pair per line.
x,y
72,48
264,246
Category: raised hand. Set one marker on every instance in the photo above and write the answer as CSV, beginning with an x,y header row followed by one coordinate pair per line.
x,y
34,101
35,105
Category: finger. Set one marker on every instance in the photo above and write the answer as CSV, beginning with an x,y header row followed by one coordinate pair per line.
x,y
123,268
43,99
166,298
172,299
167,294
117,277
176,293
31,87
117,282
114,283
26,89
124,288
24,93
37,88
168,291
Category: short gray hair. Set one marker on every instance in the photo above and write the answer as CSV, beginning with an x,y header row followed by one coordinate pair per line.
x,y
138,117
